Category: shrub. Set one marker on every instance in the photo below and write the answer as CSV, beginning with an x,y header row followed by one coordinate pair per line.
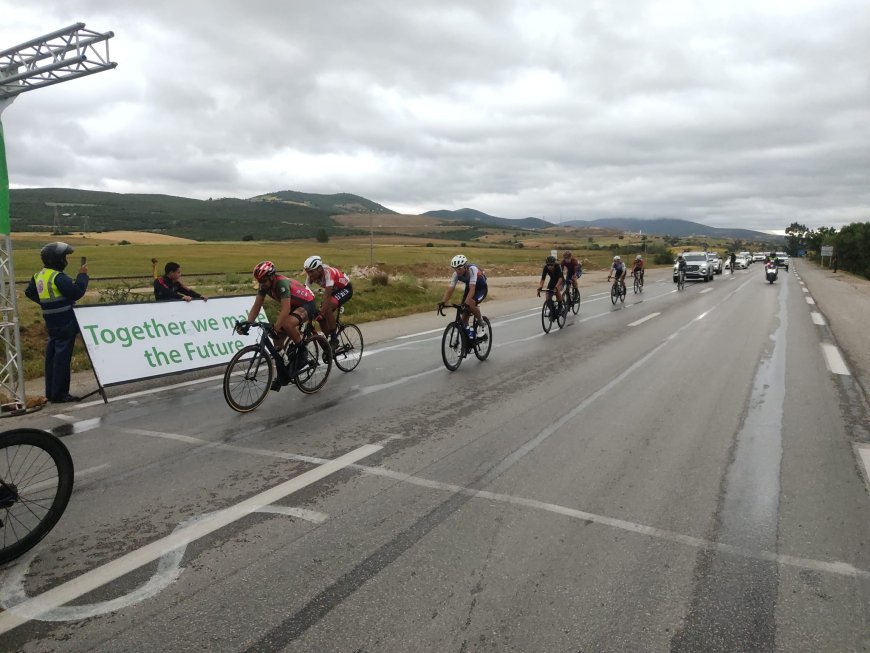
x,y
663,258
247,237
429,245
380,279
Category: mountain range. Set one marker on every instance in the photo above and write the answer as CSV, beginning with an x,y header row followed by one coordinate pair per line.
x,y
282,215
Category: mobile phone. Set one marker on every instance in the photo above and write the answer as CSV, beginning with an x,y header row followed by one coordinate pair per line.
x,y
84,260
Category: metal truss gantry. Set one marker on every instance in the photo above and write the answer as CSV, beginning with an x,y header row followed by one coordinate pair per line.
x,y
57,57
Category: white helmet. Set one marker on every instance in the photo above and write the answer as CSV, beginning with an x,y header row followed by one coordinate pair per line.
x,y
313,263
638,257
458,260
616,258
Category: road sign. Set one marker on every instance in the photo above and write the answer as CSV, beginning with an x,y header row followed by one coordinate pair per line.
x,y
827,250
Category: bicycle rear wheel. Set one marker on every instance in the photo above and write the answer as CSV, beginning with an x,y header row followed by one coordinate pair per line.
x,y
636,284
453,346
37,480
561,313
547,315
614,293
311,375
248,378
483,342
622,291
349,352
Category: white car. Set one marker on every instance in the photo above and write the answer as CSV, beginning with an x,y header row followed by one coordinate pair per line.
x,y
697,266
739,263
715,261
746,256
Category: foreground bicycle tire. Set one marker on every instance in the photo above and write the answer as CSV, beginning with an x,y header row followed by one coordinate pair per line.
x,y
483,343
575,300
547,316
313,376
614,293
453,346
350,348
248,377
37,472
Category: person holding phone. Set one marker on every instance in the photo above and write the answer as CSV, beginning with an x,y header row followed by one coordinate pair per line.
x,y
169,287
57,293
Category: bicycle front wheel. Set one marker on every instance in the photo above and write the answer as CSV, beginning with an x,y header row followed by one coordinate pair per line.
x,y
36,481
483,342
311,375
575,300
622,291
561,313
453,346
349,352
614,293
248,378
547,316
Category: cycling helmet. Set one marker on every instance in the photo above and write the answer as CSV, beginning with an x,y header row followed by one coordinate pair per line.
x,y
638,257
616,258
54,255
551,260
313,263
458,261
263,270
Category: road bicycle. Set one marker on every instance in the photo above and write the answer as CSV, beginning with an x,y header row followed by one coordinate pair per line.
x,y
638,281
617,291
349,351
250,374
681,279
455,343
36,481
551,312
571,297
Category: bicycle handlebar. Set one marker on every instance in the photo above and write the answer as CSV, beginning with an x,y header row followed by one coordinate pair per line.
x,y
441,308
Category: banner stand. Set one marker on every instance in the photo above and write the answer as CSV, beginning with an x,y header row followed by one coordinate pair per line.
x,y
100,389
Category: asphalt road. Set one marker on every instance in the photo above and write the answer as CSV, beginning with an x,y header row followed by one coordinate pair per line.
x,y
675,473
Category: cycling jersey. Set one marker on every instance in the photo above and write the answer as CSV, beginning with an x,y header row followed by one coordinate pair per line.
x,y
472,274
555,275
638,264
284,288
333,278
618,269
572,268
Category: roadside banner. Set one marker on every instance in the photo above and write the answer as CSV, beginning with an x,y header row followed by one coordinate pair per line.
x,y
137,341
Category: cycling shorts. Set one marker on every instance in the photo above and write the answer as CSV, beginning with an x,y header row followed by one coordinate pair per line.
x,y
343,295
310,309
480,291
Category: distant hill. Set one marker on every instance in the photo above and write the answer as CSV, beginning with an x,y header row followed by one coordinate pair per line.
x,y
34,209
673,227
336,204
473,216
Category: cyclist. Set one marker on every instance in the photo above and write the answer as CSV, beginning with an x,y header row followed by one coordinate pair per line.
x,y
297,307
637,268
556,279
618,270
681,265
475,289
337,291
572,268
733,259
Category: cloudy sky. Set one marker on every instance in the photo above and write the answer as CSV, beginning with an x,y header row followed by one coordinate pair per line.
x,y
747,113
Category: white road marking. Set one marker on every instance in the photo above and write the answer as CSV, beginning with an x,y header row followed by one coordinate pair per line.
x,y
705,290
863,453
818,318
644,319
805,289
810,300
301,513
89,581
834,359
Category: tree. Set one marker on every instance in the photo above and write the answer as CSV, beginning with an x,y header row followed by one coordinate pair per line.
x,y
852,247
322,236
795,238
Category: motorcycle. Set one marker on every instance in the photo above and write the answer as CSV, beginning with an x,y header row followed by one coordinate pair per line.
x,y
771,271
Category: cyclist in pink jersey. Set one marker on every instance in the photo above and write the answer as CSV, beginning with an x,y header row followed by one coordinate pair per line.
x,y
337,291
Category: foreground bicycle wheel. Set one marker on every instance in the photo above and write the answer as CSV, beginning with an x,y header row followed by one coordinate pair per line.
x,y
453,347
349,352
614,293
561,313
622,291
248,378
483,343
548,315
36,481
636,284
312,375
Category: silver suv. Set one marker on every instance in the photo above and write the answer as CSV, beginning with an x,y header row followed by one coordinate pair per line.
x,y
698,266
715,261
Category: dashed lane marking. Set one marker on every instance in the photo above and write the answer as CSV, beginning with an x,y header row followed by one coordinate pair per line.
x,y
810,301
834,359
644,319
818,318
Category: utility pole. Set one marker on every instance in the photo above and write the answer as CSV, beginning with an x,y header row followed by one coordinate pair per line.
x,y
53,58
371,240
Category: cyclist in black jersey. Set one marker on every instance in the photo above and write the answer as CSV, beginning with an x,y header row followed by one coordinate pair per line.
x,y
556,279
